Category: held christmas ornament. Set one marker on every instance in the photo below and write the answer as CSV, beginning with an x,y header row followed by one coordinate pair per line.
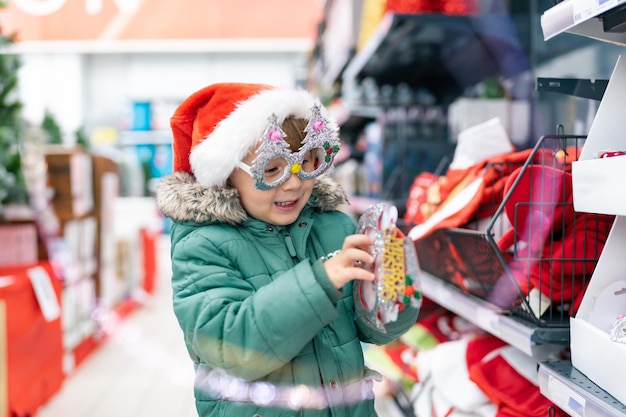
x,y
395,266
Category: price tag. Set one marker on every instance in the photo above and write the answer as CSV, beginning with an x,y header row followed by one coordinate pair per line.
x,y
566,398
586,9
44,291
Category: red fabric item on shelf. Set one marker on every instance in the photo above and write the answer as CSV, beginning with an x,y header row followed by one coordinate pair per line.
x,y
514,395
539,204
417,206
34,346
560,247
442,196
479,347
568,263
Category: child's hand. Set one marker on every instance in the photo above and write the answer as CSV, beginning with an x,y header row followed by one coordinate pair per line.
x,y
346,265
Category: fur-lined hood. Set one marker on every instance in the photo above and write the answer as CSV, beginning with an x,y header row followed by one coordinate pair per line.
x,y
180,197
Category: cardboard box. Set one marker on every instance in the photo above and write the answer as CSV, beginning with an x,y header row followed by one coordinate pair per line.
x,y
70,178
598,184
601,359
102,168
598,188
106,186
79,237
18,244
79,313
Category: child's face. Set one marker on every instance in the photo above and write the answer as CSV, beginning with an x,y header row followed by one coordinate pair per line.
x,y
279,206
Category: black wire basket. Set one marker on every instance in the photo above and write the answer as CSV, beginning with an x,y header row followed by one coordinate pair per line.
x,y
536,255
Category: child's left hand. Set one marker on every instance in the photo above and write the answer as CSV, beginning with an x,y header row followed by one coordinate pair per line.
x,y
346,264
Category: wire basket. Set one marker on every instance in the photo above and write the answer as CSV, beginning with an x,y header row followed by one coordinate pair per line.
x,y
535,257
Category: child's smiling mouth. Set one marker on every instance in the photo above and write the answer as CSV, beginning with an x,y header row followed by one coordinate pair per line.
x,y
286,205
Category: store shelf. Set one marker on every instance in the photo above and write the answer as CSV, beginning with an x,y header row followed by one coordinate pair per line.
x,y
443,53
573,392
593,353
516,333
600,20
333,74
355,117
592,89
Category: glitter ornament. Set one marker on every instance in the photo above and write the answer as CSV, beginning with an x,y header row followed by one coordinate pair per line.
x,y
320,138
321,143
395,266
617,333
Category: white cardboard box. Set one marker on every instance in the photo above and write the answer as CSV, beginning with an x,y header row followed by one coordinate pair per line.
x,y
514,115
601,359
599,185
599,188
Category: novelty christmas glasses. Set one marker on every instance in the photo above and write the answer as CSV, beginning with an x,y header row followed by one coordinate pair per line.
x,y
275,163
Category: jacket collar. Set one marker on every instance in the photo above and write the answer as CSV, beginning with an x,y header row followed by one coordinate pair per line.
x,y
180,197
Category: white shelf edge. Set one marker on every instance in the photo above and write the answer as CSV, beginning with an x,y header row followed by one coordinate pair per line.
x,y
481,314
571,397
579,17
347,111
557,19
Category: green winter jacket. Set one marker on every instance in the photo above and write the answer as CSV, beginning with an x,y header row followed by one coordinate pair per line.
x,y
268,333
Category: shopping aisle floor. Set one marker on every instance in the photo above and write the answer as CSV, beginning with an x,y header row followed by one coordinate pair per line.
x,y
142,368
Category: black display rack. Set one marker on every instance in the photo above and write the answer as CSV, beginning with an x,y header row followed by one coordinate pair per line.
x,y
446,53
474,263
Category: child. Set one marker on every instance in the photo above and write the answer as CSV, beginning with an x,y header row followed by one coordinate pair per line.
x,y
263,262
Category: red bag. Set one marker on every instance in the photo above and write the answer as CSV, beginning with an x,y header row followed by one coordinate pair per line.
x,y
34,346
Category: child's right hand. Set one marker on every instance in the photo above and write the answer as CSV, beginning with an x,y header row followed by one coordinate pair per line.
x,y
346,264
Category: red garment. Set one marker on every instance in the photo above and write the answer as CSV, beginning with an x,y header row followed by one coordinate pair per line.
x,y
429,195
554,248
568,263
514,395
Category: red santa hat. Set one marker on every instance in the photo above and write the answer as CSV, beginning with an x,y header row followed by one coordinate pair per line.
x,y
217,126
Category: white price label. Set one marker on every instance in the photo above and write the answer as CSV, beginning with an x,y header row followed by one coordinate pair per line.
x,y
586,9
44,291
566,398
